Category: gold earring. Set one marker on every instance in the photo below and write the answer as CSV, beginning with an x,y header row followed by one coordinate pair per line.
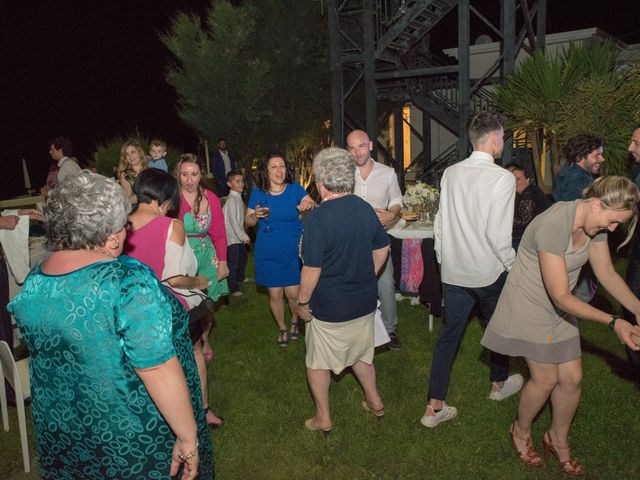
x,y
117,245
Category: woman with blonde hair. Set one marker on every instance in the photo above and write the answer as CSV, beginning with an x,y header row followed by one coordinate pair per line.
x,y
132,162
536,314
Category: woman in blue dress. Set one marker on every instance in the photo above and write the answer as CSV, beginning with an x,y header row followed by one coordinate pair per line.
x,y
114,383
274,205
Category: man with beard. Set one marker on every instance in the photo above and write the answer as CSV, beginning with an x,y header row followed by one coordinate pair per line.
x,y
584,154
377,184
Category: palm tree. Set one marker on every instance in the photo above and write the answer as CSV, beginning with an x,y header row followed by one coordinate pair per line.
x,y
583,89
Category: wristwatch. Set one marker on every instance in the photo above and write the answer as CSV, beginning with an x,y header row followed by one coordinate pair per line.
x,y
612,323
302,304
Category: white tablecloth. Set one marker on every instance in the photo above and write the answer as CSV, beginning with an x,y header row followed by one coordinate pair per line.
x,y
404,230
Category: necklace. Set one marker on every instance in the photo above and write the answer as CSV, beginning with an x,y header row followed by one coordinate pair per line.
x,y
275,192
335,195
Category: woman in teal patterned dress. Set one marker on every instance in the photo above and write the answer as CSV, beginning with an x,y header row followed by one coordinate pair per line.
x,y
201,213
113,380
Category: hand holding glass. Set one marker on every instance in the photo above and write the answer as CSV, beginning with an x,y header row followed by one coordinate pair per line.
x,y
265,211
262,211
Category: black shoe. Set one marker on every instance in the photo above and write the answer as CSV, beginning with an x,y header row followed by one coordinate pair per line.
x,y
394,341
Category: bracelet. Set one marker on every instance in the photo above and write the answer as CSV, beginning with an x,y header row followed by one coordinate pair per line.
x,y
302,304
612,323
184,458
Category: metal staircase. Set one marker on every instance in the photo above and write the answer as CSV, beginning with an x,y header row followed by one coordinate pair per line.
x,y
432,174
403,23
380,59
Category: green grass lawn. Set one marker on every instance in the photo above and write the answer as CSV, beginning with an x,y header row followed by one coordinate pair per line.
x,y
261,391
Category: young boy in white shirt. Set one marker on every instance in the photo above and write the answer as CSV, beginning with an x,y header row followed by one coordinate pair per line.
x,y
237,238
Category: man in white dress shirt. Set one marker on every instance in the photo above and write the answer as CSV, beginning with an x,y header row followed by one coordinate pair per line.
x,y
377,184
473,244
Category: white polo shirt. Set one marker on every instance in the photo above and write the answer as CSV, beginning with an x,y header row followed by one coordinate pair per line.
x,y
473,225
380,189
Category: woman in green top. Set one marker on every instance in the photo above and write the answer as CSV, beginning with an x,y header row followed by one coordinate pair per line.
x,y
113,381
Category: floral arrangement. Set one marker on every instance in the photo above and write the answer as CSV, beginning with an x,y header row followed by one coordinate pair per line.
x,y
421,195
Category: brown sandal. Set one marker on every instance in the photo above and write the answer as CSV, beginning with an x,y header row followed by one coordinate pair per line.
x,y
529,457
571,467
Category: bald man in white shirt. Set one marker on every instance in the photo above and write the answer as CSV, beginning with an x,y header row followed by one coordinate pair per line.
x,y
377,184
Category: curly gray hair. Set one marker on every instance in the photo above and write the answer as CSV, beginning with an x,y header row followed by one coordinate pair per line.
x,y
83,210
335,168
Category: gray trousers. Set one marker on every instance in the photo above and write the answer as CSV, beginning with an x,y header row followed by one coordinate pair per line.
x,y
387,296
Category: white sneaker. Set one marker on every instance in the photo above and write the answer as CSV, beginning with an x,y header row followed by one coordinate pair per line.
x,y
447,413
512,385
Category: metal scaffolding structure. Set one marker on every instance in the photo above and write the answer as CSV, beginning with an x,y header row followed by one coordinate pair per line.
x,y
381,60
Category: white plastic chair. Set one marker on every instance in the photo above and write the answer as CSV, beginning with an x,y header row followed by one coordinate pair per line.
x,y
17,374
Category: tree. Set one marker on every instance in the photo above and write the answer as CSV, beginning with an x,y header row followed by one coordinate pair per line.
x,y
255,74
581,90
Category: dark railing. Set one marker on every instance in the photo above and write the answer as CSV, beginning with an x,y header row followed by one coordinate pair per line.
x,y
432,173
444,89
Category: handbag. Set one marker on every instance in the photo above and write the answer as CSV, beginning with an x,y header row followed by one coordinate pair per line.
x,y
205,304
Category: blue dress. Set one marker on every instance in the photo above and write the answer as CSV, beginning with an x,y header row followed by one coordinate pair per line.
x,y
86,331
276,252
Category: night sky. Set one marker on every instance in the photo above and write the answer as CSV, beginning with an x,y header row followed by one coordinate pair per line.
x,y
93,70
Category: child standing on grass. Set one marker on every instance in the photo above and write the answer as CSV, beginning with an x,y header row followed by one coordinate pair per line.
x,y
158,152
237,238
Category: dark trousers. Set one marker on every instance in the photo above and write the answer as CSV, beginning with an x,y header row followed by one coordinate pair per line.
x,y
633,281
236,261
458,303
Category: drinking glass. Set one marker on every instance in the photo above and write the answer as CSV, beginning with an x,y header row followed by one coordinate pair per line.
x,y
266,210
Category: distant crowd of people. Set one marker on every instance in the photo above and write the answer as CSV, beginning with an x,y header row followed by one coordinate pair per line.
x,y
118,318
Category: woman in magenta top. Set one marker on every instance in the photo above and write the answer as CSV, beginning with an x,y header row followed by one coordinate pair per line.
x,y
159,242
201,213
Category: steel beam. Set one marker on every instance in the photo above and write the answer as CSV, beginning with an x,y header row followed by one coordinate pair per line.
x,y
369,69
463,76
508,26
335,72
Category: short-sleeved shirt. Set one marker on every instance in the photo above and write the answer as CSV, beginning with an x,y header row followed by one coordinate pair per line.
x,y
277,248
380,189
87,331
526,322
339,238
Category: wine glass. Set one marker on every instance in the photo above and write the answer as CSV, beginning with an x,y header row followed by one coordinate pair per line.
x,y
266,211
